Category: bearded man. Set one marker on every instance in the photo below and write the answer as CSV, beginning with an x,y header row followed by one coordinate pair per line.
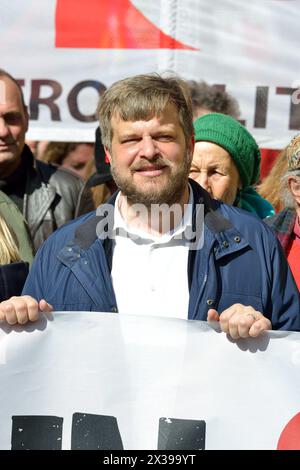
x,y
142,252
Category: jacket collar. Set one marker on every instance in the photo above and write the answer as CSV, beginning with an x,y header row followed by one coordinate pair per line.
x,y
222,233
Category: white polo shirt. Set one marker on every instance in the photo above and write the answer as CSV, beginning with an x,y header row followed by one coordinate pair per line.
x,y
149,273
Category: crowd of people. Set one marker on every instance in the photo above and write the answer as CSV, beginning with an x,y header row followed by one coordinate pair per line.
x,y
166,211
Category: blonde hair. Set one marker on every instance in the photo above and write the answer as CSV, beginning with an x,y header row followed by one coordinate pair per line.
x,y
9,251
271,186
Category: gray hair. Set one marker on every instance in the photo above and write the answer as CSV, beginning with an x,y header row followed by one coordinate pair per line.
x,y
213,99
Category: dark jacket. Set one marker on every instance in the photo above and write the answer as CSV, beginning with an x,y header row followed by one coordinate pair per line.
x,y
241,262
12,279
53,196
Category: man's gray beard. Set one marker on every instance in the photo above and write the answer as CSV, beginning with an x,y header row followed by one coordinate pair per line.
x,y
170,194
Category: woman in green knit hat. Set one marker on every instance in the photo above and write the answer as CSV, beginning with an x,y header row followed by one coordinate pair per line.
x,y
226,162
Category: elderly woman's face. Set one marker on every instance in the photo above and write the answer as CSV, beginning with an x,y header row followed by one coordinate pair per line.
x,y
214,169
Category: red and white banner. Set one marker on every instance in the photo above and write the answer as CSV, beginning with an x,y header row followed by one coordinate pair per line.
x,y
81,380
65,52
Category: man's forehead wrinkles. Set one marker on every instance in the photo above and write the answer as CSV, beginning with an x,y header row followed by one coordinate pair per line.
x,y
141,124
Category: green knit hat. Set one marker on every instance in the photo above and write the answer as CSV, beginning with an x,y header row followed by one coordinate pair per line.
x,y
225,131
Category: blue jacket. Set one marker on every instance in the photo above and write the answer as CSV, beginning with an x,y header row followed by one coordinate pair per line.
x,y
241,261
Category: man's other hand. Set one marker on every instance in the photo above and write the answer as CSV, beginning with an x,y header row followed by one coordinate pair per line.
x,y
22,309
239,321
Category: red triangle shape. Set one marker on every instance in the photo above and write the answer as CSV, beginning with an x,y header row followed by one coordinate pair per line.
x,y
108,24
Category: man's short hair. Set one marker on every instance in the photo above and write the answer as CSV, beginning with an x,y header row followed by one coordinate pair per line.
x,y
3,73
143,97
213,99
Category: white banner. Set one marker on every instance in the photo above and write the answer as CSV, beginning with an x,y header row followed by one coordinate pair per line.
x,y
107,381
64,52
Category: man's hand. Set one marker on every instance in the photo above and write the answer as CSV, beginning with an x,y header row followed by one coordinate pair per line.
x,y
239,321
22,309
